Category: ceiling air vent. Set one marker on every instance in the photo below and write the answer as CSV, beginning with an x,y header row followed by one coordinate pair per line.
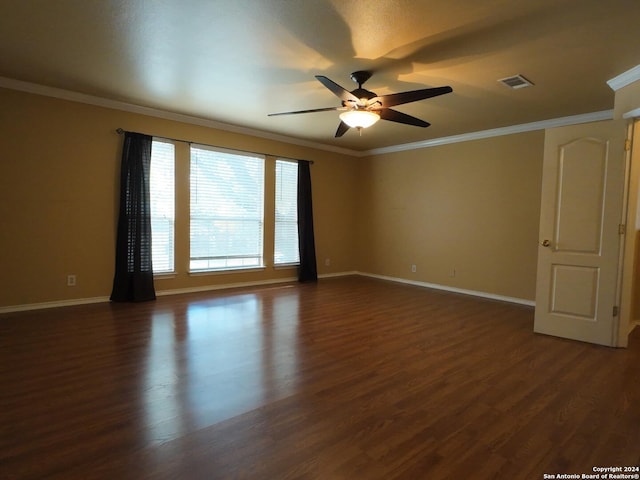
x,y
515,82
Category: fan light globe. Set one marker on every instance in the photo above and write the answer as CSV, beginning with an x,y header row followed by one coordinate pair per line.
x,y
359,118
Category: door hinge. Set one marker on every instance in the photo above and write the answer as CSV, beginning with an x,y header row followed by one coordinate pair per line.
x,y
615,311
622,229
627,145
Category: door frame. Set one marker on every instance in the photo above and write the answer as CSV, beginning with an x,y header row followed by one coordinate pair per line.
x,y
627,264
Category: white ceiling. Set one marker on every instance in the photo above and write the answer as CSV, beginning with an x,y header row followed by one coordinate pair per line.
x,y
235,61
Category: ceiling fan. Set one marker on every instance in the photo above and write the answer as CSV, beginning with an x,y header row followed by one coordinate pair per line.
x,y
362,108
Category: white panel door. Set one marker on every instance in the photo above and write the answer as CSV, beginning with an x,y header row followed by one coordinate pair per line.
x,y
582,195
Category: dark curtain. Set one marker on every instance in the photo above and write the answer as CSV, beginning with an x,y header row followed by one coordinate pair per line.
x,y
306,243
133,279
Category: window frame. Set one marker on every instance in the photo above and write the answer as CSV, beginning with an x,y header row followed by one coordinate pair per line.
x,y
275,217
260,254
154,238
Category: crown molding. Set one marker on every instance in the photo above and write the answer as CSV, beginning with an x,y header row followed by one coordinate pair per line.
x,y
69,95
624,79
635,113
62,94
497,132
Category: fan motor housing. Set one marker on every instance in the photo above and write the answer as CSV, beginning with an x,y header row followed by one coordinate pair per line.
x,y
360,77
362,93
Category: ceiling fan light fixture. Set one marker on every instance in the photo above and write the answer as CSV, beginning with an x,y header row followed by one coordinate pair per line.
x,y
359,118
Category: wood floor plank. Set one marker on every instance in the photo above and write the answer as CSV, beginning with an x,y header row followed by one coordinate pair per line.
x,y
350,378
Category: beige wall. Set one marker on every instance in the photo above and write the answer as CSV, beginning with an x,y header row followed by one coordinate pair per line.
x,y
59,186
472,206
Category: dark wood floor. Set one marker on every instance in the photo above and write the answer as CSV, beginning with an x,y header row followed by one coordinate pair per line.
x,y
351,378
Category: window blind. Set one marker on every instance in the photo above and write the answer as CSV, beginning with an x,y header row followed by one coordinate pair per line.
x,y
162,197
227,197
286,249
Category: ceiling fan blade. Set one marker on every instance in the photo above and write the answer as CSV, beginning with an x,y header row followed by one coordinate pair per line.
x,y
393,99
342,129
328,109
338,91
399,117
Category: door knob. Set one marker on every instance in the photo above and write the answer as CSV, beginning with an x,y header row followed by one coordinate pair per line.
x,y
545,243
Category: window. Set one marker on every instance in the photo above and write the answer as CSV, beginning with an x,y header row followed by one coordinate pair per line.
x,y
227,196
162,194
286,226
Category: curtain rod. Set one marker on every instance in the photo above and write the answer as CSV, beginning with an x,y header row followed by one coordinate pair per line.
x,y
121,131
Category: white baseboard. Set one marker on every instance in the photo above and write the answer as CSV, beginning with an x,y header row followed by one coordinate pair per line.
x,y
339,274
54,304
437,286
159,293
207,288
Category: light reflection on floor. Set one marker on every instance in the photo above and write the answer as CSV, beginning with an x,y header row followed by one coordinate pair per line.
x,y
224,357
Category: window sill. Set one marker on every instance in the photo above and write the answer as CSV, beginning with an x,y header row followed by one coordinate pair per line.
x,y
164,276
204,273
286,266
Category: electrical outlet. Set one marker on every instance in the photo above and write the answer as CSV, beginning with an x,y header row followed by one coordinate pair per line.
x,y
327,262
414,269
71,280
452,272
